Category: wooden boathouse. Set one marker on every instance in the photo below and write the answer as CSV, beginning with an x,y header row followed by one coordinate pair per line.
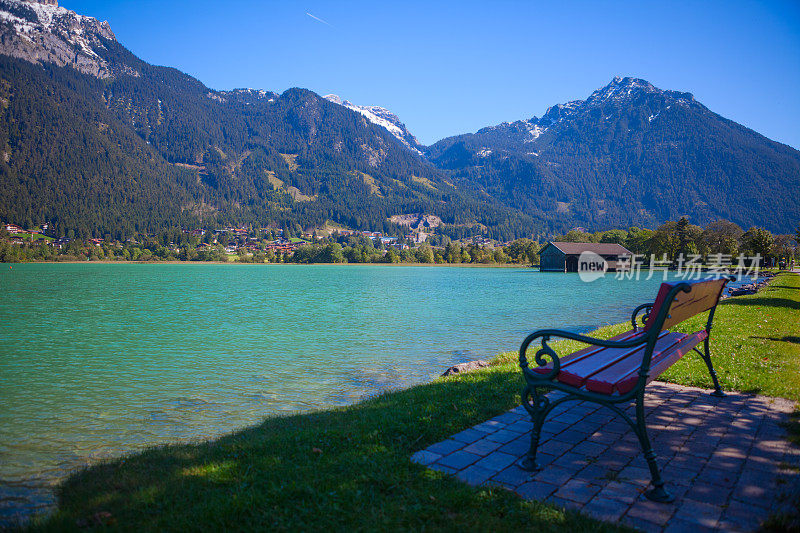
x,y
563,256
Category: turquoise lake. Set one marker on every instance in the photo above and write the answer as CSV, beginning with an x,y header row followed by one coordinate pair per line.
x,y
101,359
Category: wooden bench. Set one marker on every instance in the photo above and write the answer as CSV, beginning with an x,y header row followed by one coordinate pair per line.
x,y
615,371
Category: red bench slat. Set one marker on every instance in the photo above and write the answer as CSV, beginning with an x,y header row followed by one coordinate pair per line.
x,y
586,352
604,379
665,360
703,296
576,373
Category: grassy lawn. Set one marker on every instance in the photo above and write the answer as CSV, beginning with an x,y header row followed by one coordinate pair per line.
x,y
349,468
755,343
33,236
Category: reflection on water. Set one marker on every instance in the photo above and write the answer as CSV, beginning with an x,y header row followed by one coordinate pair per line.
x,y
98,360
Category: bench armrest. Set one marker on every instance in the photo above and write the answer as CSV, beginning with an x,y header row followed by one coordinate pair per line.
x,y
546,351
644,307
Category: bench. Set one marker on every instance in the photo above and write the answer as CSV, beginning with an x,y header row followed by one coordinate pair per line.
x,y
615,371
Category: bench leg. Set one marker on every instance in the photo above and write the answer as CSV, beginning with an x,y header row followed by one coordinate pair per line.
x,y
537,407
658,493
706,355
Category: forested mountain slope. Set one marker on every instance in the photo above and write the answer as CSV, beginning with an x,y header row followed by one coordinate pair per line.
x,y
631,154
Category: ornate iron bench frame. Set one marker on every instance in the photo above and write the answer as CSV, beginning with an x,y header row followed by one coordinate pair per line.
x,y
537,384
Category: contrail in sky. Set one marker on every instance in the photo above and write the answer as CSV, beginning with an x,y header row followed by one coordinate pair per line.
x,y
318,19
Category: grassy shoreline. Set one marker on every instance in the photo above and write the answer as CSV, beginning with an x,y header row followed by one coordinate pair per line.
x,y
105,262
349,468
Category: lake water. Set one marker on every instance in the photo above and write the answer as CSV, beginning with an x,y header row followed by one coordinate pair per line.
x,y
101,359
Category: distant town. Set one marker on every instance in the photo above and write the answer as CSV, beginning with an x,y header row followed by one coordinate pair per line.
x,y
422,244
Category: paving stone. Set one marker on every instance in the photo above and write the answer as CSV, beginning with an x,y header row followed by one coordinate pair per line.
x,y
658,513
623,492
725,460
612,460
590,449
701,513
518,446
718,477
571,436
572,461
474,475
748,516
497,461
565,504
552,427
577,491
554,474
458,460
677,475
545,459
445,447
752,492
507,418
482,447
469,436
520,426
425,457
490,426
635,474
642,524
535,490
605,509
442,468
513,476
503,436
678,525
554,447
707,493
595,473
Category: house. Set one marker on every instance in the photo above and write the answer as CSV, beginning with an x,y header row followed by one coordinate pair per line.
x,y
563,256
13,228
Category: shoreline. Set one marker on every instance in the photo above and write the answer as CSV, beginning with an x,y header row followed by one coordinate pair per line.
x,y
459,265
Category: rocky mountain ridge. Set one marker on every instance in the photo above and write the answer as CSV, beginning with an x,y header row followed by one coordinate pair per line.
x,y
44,32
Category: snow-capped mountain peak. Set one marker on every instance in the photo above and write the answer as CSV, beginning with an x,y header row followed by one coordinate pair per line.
x,y
43,31
383,118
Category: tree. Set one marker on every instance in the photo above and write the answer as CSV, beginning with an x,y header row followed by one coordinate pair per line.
x,y
758,241
332,253
783,249
425,253
722,237
575,236
523,251
638,240
452,252
665,240
615,236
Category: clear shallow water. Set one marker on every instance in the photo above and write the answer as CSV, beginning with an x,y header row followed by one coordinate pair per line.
x,y
97,360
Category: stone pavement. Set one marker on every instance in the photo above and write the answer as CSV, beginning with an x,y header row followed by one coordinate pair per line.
x,y
725,460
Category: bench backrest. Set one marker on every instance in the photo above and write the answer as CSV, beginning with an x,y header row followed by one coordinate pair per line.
x,y
703,296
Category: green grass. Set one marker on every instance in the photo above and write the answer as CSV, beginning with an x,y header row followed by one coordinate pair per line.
x,y
755,343
36,237
349,468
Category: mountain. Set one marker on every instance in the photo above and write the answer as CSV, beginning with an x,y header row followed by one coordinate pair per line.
x,y
383,118
630,154
97,141
43,32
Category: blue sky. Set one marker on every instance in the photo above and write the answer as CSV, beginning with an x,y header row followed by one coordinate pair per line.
x,y
454,67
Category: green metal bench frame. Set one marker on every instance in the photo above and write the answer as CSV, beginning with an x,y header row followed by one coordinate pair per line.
x,y
538,384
